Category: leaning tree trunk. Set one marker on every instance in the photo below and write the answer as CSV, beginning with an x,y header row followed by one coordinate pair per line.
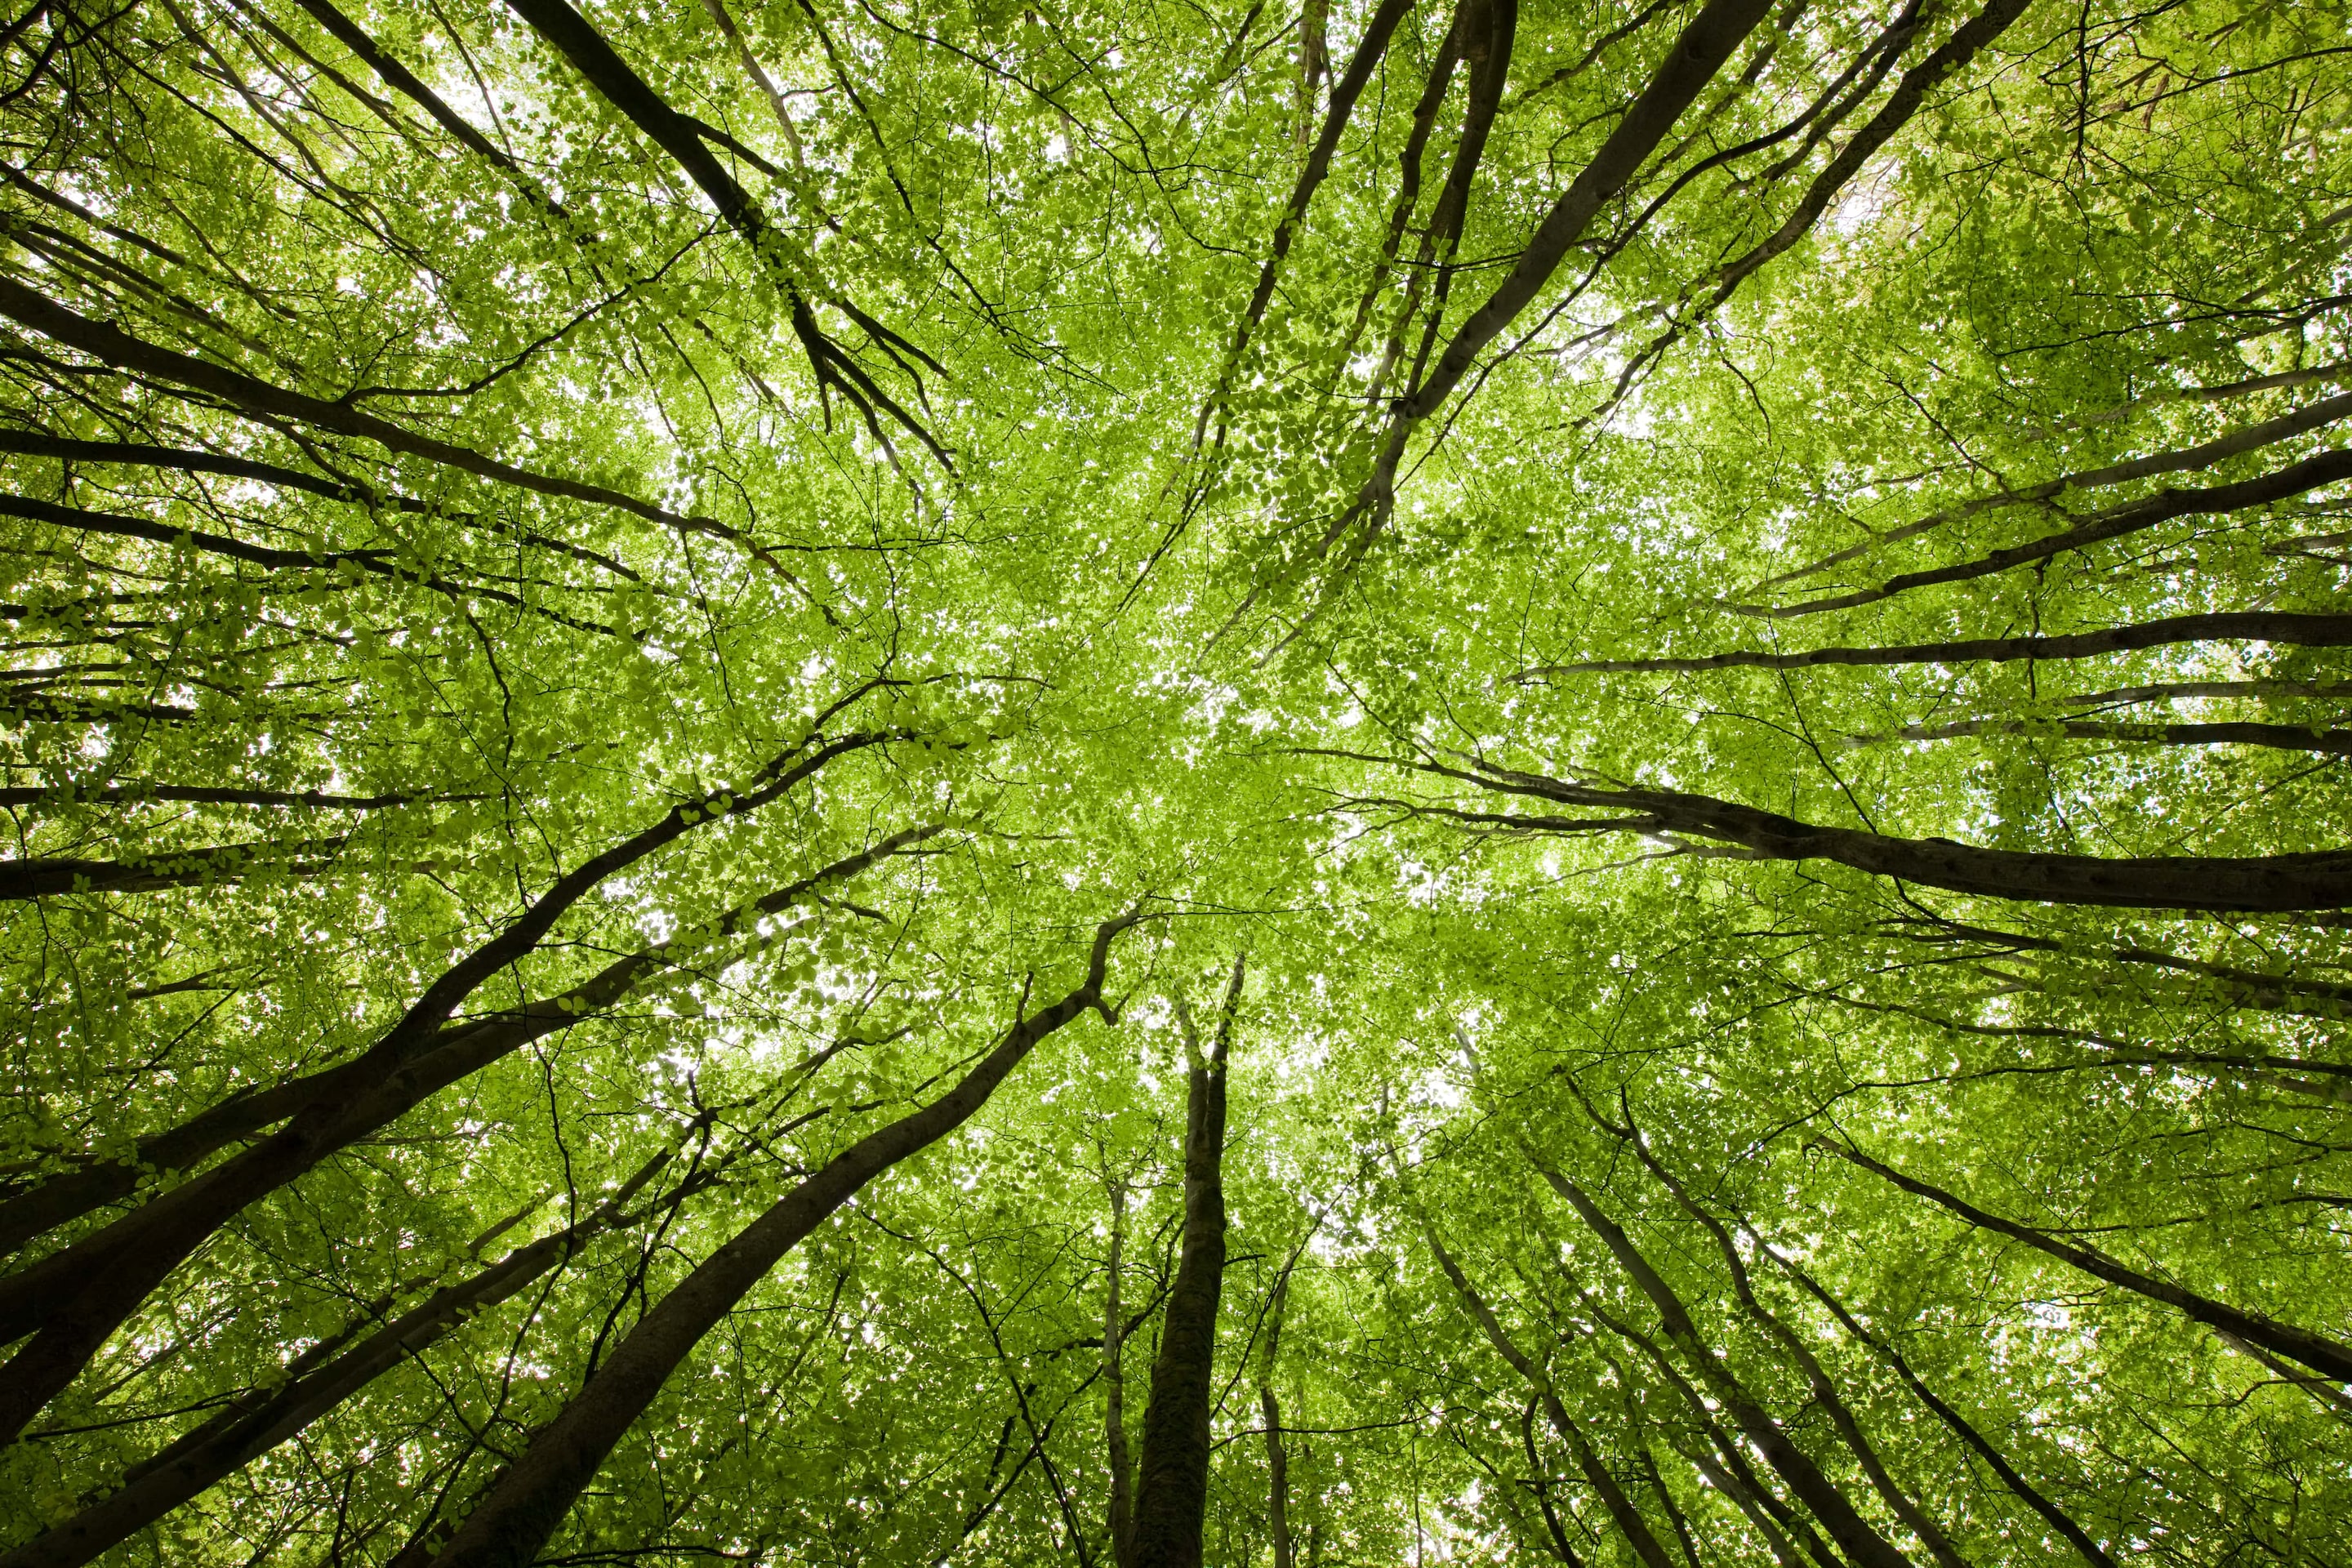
x,y
1856,1537
1173,1494
511,1522
2320,879
2329,1358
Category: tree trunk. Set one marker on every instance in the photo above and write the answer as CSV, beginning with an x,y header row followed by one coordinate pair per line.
x,y
513,1520
78,1298
2323,1355
1854,1535
2325,469
1824,1389
2269,883
2278,737
2230,625
1172,1490
251,1427
1121,1514
45,877
1277,1462
1960,1426
1622,1511
1698,53
109,343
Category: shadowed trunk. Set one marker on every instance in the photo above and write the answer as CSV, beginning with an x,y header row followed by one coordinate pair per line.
x,y
1959,1425
2294,629
2323,1355
1172,1491
76,1298
112,345
1825,1393
1121,1520
1622,1510
257,1423
47,876
2320,879
1854,1535
2295,478
1277,1461
512,1520
456,1051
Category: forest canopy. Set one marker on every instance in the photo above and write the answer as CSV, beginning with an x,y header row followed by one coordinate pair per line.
x,y
1135,783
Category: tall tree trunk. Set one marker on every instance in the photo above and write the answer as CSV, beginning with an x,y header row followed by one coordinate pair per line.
x,y
1172,1491
454,1052
2278,737
2325,469
109,343
513,1519
1824,1389
46,876
1622,1510
78,1298
2324,1356
1313,57
2288,628
1961,1427
2189,459
1120,1521
2312,880
1854,1534
253,1426
1277,1462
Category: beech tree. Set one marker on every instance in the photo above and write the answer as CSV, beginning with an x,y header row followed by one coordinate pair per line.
x,y
939,782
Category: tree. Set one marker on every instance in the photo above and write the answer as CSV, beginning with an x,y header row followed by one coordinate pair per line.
x,y
650,648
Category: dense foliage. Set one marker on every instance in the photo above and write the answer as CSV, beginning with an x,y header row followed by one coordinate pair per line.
x,y
1132,781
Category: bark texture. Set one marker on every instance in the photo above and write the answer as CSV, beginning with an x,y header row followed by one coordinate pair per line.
x,y
2320,879
1172,1486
